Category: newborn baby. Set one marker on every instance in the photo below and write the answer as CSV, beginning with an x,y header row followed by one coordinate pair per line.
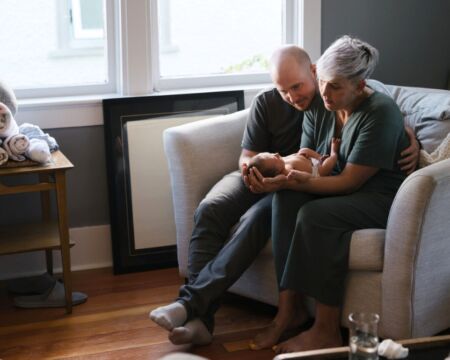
x,y
308,160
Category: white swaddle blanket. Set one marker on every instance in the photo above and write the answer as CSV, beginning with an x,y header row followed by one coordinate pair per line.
x,y
8,125
3,155
16,145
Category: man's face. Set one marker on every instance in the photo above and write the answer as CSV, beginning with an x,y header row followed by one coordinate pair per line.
x,y
296,84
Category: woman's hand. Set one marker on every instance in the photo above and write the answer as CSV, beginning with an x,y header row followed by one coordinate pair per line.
x,y
299,176
410,156
259,184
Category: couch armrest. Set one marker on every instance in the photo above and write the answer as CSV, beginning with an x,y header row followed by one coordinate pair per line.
x,y
199,154
416,275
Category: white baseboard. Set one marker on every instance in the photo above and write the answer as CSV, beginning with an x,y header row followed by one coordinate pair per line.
x,y
92,250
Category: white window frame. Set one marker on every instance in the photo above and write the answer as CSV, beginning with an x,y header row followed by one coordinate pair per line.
x,y
82,90
132,59
295,12
140,50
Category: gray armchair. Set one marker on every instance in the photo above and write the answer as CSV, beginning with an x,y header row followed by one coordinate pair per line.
x,y
401,273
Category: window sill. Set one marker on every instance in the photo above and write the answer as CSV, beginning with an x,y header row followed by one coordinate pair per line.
x,y
78,111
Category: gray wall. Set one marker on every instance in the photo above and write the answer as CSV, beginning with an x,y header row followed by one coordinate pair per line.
x,y
413,37
87,192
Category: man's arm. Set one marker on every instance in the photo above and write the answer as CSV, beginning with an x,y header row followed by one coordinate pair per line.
x,y
410,156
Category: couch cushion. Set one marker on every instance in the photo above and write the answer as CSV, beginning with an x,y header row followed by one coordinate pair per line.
x,y
367,250
426,111
379,86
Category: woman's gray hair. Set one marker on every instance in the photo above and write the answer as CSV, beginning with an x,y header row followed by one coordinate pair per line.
x,y
347,57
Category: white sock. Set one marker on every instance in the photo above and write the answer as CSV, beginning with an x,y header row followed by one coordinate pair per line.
x,y
194,332
169,316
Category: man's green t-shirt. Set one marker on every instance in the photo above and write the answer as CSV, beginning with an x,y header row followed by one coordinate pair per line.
x,y
374,135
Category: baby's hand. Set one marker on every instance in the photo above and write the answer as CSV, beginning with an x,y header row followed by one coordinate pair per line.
x,y
335,143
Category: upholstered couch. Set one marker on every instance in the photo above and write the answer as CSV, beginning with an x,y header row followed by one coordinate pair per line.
x,y
401,273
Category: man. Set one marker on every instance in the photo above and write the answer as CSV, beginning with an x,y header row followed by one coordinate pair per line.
x,y
274,125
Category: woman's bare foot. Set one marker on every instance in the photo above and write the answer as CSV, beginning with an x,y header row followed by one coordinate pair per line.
x,y
317,337
272,333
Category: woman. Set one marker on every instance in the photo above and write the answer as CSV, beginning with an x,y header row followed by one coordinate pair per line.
x,y
310,231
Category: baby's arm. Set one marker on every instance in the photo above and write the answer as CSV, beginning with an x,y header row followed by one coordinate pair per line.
x,y
329,162
309,153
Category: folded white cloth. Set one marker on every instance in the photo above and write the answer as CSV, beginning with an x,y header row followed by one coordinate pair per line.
x,y
3,156
35,132
8,125
392,350
16,146
38,151
440,153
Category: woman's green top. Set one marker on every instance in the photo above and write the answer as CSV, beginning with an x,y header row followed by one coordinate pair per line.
x,y
373,135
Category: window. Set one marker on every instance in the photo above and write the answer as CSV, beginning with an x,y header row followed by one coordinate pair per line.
x,y
204,43
56,47
77,47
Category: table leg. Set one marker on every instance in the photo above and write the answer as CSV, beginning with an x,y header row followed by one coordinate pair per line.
x,y
46,216
60,181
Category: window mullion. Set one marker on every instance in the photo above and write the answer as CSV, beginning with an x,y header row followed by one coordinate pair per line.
x,y
135,51
290,22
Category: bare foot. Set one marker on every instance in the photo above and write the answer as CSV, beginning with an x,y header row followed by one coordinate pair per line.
x,y
314,338
193,332
272,333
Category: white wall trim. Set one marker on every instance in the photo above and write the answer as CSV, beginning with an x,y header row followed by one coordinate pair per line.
x,y
92,250
54,113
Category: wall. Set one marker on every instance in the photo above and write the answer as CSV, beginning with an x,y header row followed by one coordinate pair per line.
x,y
413,37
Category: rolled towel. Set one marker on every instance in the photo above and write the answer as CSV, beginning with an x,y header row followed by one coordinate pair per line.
x,y
38,151
3,156
392,350
16,146
35,132
8,125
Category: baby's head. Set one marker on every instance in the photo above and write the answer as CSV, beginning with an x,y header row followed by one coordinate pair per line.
x,y
268,164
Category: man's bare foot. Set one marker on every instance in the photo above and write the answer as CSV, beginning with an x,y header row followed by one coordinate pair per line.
x,y
315,338
272,333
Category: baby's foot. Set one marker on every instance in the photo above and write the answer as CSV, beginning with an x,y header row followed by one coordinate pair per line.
x,y
194,332
169,316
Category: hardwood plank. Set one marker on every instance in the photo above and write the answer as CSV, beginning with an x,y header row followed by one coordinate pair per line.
x,y
114,323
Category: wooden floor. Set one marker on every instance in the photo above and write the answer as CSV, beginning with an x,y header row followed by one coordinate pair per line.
x,y
114,323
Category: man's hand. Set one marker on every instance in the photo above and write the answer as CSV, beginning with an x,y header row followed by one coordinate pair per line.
x,y
259,184
410,155
244,174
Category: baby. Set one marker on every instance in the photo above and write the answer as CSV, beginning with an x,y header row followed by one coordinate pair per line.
x,y
271,165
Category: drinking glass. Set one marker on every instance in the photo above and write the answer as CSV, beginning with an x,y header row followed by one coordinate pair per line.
x,y
363,336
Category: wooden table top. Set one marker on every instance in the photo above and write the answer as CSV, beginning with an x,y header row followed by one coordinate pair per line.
x,y
59,162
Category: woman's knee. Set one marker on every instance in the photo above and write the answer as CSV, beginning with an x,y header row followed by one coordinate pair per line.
x,y
314,212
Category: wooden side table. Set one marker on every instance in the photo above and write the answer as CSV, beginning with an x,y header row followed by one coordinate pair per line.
x,y
48,235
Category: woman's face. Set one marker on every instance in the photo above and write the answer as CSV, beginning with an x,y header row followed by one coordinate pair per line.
x,y
339,93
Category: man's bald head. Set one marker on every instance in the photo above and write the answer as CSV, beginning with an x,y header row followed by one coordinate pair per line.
x,y
287,55
294,76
